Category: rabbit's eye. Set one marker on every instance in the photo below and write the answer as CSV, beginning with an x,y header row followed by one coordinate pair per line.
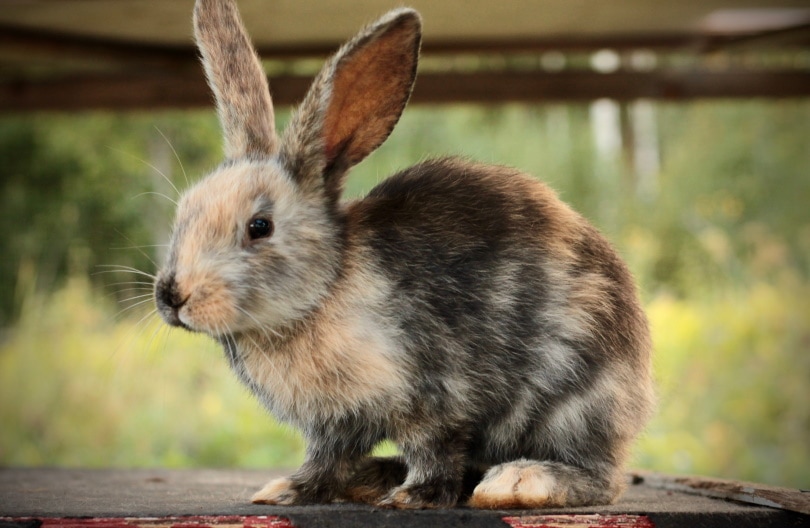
x,y
260,228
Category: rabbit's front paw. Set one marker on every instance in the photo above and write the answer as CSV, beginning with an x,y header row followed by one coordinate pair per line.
x,y
374,478
420,496
279,491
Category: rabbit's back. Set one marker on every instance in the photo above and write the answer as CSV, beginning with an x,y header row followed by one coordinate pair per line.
x,y
518,318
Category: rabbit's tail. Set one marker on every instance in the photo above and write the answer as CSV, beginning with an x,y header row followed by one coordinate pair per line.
x,y
535,484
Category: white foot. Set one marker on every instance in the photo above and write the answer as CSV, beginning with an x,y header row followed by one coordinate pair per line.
x,y
520,484
278,491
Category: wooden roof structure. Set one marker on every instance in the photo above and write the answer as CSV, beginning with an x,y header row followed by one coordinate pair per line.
x,y
138,54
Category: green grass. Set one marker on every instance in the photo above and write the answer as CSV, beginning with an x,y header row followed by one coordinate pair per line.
x,y
79,387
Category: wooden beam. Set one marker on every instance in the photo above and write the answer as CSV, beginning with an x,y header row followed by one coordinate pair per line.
x,y
783,38
55,45
38,44
129,92
188,89
622,86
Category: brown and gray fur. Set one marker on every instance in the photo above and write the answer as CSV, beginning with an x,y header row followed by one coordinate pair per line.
x,y
460,310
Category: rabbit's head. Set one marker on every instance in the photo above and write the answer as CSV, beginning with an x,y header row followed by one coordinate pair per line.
x,y
257,243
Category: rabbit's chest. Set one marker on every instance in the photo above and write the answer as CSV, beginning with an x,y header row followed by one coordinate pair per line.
x,y
351,367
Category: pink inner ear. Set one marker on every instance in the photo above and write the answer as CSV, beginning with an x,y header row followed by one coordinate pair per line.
x,y
369,91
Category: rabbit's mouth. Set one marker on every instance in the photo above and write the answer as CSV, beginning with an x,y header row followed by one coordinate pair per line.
x,y
172,318
196,300
169,302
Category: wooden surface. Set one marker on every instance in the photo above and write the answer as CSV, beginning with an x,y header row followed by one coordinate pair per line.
x,y
748,492
118,496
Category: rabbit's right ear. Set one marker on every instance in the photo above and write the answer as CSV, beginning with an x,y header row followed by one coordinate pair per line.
x,y
236,76
354,103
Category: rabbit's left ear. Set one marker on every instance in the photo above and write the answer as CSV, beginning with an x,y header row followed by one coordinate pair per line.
x,y
237,79
354,102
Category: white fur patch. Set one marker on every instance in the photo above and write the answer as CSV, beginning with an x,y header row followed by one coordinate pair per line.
x,y
346,360
520,484
277,491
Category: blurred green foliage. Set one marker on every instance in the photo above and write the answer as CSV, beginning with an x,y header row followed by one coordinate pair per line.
x,y
81,389
720,246
78,193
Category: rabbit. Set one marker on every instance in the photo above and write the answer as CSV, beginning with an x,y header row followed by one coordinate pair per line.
x,y
460,310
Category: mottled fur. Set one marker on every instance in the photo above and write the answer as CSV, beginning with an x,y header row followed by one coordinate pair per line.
x,y
461,310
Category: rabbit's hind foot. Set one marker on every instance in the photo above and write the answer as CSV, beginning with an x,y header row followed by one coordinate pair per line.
x,y
534,484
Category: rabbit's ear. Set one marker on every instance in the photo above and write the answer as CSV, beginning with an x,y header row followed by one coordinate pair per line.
x,y
354,102
236,76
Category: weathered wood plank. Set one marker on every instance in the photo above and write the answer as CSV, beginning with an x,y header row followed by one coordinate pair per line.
x,y
188,89
748,492
160,494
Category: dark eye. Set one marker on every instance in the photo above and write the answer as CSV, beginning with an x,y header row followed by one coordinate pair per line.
x,y
260,228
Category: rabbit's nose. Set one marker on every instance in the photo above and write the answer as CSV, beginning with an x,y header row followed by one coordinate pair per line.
x,y
169,300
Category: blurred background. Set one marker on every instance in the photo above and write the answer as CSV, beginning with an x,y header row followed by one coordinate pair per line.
x,y
682,132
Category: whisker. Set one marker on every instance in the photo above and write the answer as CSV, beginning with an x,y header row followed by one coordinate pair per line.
x,y
261,327
264,332
140,247
124,271
262,351
143,323
148,315
133,333
142,291
160,327
117,268
140,250
226,335
122,267
142,288
132,306
156,194
134,297
259,349
137,287
144,299
148,165
179,162
126,283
